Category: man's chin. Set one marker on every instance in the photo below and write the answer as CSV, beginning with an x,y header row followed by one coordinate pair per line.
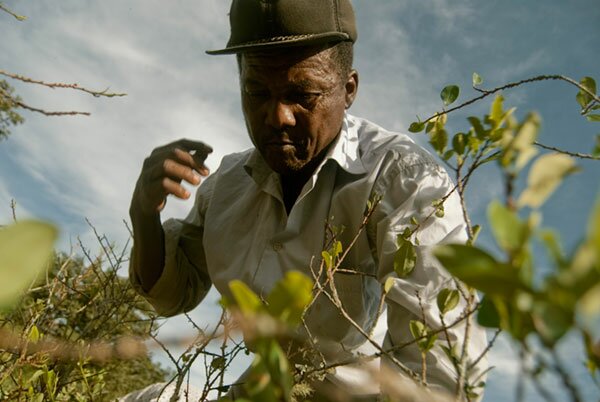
x,y
284,163
287,168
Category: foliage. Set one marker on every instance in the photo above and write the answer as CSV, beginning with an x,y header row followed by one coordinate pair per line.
x,y
567,300
8,116
270,377
81,302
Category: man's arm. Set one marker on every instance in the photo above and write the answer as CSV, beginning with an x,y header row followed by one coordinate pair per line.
x,y
410,199
161,175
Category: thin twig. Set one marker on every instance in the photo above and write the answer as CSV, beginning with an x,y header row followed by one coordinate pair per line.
x,y
486,350
562,151
53,85
13,208
8,11
47,113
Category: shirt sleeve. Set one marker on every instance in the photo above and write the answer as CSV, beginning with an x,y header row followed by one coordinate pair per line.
x,y
184,281
409,193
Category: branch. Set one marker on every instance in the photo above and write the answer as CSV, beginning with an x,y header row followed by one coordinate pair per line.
x,y
53,85
97,351
47,113
486,93
8,11
575,154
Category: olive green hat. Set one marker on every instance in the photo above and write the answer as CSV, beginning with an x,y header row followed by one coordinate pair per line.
x,y
266,24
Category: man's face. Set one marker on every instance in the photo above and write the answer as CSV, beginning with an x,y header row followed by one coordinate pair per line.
x,y
293,102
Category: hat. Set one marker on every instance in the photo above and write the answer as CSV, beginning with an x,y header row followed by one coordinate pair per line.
x,y
266,24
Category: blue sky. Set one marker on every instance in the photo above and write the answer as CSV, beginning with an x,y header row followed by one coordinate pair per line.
x,y
69,168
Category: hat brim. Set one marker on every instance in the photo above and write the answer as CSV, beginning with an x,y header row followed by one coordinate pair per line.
x,y
282,42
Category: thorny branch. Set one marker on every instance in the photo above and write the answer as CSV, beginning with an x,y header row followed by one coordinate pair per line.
x,y
18,103
574,154
486,93
54,85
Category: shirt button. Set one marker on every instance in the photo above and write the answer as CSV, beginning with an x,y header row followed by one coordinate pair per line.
x,y
277,246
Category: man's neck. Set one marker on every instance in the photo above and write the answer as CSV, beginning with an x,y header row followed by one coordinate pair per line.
x,y
292,184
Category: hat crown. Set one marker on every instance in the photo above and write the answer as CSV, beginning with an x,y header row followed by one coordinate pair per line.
x,y
288,23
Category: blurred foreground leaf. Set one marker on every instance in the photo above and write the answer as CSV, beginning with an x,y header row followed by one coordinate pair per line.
x,y
24,250
544,177
478,269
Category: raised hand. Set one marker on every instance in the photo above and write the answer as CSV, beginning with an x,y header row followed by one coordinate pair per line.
x,y
164,170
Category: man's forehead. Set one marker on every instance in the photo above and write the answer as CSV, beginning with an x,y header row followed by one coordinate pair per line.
x,y
286,58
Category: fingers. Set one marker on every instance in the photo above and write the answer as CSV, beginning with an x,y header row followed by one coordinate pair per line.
x,y
165,169
188,152
172,187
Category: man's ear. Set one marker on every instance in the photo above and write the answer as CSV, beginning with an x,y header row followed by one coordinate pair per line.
x,y
351,88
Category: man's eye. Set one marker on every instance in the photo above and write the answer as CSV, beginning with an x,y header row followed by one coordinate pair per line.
x,y
257,93
304,98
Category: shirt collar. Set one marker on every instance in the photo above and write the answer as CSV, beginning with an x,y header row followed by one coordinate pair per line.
x,y
345,152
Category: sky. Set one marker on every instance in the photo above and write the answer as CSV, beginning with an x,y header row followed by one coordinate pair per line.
x,y
67,169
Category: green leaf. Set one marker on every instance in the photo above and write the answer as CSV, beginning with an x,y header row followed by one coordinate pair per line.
x,y
480,131
497,110
438,140
389,283
476,231
403,236
589,303
510,233
448,154
447,300
478,269
449,94
25,248
524,139
218,363
34,334
327,258
550,239
477,80
416,127
593,231
440,212
428,343
488,315
583,98
545,175
337,248
289,297
459,143
247,301
405,258
551,322
596,150
417,329
593,117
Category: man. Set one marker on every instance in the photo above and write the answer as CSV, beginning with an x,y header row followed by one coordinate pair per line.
x,y
263,212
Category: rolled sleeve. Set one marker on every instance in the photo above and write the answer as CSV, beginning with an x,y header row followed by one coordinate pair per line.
x,y
184,281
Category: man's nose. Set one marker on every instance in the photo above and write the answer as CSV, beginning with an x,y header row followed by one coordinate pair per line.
x,y
280,115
